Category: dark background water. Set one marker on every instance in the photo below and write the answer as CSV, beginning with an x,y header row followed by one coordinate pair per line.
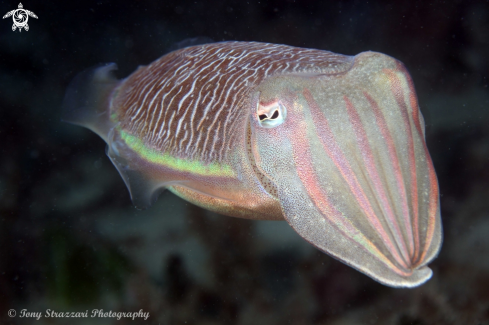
x,y
70,239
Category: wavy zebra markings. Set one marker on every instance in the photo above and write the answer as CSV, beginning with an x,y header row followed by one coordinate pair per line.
x,y
333,144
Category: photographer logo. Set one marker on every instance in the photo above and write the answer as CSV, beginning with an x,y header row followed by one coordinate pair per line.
x,y
20,17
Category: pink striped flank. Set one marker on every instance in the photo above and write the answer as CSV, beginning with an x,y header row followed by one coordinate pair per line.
x,y
368,157
398,93
334,152
433,202
394,159
305,170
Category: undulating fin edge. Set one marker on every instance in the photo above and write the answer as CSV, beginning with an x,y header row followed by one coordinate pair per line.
x,y
87,99
86,103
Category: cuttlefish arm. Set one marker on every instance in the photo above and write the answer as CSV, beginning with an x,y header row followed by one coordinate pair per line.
x,y
351,167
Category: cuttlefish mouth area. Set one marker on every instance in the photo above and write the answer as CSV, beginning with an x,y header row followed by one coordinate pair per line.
x,y
353,173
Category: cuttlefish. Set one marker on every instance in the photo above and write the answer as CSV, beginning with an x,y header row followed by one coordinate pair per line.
x,y
333,144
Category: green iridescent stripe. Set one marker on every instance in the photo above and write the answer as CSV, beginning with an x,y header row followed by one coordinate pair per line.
x,y
182,165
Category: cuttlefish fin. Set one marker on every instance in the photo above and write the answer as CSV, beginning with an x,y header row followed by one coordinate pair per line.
x,y
87,103
88,98
142,178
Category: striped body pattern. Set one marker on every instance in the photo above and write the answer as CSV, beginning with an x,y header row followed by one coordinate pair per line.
x,y
190,102
332,144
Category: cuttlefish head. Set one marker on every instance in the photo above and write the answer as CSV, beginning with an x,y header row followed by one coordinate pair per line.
x,y
346,153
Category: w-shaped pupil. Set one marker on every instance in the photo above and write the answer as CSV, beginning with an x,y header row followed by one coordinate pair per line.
x,y
262,117
275,115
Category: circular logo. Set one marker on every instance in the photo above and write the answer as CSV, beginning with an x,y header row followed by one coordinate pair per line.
x,y
20,18
11,313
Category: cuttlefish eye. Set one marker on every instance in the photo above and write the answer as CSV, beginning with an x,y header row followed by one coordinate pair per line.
x,y
271,114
